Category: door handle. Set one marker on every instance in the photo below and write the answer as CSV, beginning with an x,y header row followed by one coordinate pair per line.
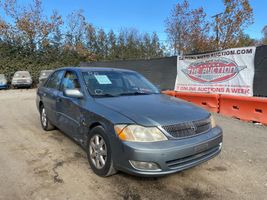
x,y
82,120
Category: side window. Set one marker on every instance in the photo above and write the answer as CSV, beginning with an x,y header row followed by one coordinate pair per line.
x,y
70,81
54,80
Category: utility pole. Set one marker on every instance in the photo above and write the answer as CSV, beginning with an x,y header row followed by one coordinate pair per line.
x,y
217,28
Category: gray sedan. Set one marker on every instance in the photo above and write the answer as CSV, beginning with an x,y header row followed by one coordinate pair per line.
x,y
125,124
44,75
21,79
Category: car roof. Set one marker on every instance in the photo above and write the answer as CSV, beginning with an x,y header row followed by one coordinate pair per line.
x,y
87,69
22,72
47,70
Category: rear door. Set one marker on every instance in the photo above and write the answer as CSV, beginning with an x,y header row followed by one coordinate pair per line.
x,y
49,93
69,108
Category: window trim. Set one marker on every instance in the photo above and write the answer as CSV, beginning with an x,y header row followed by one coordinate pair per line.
x,y
49,78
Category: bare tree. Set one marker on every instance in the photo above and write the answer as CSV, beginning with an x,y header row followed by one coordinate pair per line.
x,y
188,29
237,16
29,26
76,26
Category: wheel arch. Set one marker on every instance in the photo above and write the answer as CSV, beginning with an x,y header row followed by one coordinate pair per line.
x,y
40,105
95,124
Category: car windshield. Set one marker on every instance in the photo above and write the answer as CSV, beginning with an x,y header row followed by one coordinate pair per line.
x,y
22,74
117,83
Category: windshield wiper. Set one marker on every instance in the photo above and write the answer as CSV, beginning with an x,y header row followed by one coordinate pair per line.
x,y
105,95
134,93
123,94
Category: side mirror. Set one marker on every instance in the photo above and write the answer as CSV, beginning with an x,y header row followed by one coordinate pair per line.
x,y
75,93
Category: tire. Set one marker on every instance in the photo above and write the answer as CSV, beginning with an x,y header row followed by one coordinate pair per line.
x,y
46,124
99,153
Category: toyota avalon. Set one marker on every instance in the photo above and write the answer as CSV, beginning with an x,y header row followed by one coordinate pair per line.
x,y
124,123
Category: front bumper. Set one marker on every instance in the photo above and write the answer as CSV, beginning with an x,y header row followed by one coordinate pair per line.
x,y
21,84
171,156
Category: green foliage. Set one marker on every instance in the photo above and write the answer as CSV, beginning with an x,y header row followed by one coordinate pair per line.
x,y
15,58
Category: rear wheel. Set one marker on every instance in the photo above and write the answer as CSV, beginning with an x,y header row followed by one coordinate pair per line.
x,y
46,124
99,153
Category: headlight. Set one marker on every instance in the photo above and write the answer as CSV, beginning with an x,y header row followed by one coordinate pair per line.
x,y
212,122
136,133
28,81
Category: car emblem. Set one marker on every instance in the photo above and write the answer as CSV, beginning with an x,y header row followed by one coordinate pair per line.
x,y
193,127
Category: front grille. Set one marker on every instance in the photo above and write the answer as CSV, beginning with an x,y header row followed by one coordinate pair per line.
x,y
188,160
188,129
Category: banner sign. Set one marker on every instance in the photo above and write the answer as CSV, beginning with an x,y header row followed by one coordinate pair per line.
x,y
230,71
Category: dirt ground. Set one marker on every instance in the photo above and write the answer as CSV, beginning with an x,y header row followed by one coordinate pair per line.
x,y
42,165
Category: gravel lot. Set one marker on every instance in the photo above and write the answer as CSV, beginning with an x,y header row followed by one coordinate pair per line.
x,y
38,165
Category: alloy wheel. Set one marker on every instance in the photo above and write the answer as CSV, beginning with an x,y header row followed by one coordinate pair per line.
x,y
98,151
44,118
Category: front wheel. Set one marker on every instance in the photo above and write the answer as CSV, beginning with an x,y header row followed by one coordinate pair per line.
x,y
99,153
46,124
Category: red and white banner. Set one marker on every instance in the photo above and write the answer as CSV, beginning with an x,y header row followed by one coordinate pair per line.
x,y
230,71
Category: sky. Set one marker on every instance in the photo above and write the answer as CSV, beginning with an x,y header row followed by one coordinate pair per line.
x,y
145,15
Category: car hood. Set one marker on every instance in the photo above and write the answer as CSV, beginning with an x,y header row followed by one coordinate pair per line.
x,y
155,109
43,77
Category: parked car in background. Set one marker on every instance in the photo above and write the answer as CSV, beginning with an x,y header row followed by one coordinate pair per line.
x,y
124,123
43,76
3,82
21,79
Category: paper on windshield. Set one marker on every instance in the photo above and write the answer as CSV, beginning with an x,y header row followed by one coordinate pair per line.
x,y
102,79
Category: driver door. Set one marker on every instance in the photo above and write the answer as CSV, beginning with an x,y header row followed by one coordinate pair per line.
x,y
69,111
